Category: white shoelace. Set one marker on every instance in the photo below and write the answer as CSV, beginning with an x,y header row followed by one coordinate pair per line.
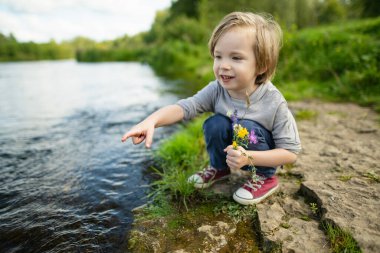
x,y
209,171
255,185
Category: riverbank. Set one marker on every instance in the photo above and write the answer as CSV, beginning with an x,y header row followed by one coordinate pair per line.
x,y
328,200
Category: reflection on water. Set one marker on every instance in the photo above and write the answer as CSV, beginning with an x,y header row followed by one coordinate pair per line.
x,y
67,184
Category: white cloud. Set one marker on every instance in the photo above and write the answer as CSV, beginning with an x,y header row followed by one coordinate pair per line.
x,y
41,20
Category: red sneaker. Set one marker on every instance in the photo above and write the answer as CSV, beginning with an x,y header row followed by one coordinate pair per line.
x,y
252,193
207,177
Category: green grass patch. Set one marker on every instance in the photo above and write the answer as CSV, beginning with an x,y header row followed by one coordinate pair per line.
x,y
340,240
372,176
345,178
285,225
235,211
305,218
306,115
177,158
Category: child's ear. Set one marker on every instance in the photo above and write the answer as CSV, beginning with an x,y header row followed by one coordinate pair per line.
x,y
262,72
260,76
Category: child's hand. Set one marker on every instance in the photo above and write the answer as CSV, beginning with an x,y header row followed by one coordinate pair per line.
x,y
139,133
235,158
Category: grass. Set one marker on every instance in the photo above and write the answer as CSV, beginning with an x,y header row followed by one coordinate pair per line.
x,y
345,178
177,158
305,218
285,225
235,211
371,175
314,208
340,240
306,115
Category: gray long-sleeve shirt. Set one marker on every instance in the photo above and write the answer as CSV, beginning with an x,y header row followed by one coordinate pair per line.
x,y
268,107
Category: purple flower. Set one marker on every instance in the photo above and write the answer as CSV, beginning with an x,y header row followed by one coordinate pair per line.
x,y
253,137
234,117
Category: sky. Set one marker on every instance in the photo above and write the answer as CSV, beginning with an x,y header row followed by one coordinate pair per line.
x,y
43,20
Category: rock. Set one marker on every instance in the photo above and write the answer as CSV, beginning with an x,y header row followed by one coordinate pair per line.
x,y
215,236
352,205
303,236
335,147
281,222
270,218
330,151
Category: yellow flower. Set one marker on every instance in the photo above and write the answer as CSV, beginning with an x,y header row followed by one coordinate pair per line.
x,y
234,145
242,132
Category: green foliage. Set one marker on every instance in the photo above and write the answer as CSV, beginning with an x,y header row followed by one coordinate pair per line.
x,y
179,157
178,60
336,62
11,50
314,208
285,225
340,62
341,240
330,11
373,176
306,115
188,8
345,178
235,211
365,8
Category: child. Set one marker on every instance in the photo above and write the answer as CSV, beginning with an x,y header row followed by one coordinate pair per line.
x,y
245,48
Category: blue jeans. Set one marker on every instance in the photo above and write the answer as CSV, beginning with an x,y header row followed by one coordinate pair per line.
x,y
217,130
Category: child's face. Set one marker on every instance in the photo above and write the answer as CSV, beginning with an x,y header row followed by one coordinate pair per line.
x,y
234,61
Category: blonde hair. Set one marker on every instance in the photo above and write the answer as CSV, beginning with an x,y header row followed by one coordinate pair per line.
x,y
267,42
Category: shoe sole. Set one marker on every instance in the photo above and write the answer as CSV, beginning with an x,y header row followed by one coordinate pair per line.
x,y
246,202
207,185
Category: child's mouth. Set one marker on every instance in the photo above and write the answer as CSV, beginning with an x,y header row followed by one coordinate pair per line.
x,y
226,78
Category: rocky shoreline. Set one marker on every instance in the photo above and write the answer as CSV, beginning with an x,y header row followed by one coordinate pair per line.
x,y
339,171
335,181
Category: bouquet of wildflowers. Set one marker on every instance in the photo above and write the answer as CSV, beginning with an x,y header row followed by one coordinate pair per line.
x,y
241,137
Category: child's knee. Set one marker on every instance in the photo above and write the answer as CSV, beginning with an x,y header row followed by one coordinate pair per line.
x,y
216,122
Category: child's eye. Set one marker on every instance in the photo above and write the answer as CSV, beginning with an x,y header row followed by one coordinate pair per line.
x,y
217,57
236,58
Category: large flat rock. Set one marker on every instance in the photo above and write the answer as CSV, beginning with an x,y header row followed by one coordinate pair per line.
x,y
353,205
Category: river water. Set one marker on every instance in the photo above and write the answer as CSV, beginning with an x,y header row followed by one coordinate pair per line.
x,y
67,183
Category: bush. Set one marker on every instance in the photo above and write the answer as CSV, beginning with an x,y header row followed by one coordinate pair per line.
x,y
342,62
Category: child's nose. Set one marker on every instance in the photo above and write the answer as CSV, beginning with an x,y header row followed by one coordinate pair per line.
x,y
225,65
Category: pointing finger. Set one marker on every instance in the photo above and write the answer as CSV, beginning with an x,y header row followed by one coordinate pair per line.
x,y
149,137
129,134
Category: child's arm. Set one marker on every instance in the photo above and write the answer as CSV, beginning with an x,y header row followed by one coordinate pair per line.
x,y
144,130
268,158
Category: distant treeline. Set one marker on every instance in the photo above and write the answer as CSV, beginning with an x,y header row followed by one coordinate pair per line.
x,y
11,50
